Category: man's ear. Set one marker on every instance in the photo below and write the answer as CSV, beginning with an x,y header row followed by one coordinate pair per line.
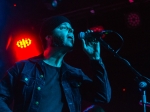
x,y
49,40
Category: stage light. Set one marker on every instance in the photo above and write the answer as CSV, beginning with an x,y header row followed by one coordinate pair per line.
x,y
8,42
23,43
124,89
133,19
15,4
54,3
92,11
98,29
131,1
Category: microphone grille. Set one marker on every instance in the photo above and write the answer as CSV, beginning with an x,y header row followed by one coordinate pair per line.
x,y
81,35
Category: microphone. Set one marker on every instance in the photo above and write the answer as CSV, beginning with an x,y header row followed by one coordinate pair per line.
x,y
83,35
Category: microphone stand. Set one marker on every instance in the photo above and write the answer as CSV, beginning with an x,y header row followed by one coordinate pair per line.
x,y
143,82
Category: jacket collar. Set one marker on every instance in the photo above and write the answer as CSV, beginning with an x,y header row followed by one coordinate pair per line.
x,y
39,60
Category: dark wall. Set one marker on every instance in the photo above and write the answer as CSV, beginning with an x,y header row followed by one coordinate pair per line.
x,y
135,49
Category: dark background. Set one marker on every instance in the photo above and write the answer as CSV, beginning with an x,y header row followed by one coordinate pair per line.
x,y
112,15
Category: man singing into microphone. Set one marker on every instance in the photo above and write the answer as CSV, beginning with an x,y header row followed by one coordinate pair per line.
x,y
46,83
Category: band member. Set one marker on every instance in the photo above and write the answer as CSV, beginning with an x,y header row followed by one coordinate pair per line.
x,y
46,83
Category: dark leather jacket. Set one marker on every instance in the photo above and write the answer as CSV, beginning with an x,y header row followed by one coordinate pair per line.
x,y
23,82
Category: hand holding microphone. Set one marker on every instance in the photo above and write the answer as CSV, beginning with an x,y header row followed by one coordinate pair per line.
x,y
91,45
91,42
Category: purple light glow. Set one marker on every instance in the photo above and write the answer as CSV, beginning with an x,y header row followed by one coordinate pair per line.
x,y
133,19
131,1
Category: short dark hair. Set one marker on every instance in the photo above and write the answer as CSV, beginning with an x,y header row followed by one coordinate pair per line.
x,y
49,25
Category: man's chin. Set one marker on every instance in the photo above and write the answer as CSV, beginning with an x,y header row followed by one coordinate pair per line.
x,y
70,48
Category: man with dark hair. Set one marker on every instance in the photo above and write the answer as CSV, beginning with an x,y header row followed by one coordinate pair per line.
x,y
46,83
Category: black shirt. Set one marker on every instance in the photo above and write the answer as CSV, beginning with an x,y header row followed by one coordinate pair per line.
x,y
52,94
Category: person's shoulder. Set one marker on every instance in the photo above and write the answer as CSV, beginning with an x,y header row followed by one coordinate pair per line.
x,y
70,66
19,65
22,62
27,62
31,59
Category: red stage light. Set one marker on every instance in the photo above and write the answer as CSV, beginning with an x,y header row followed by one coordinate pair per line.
x,y
23,43
15,5
124,89
131,1
133,19
8,42
98,29
25,46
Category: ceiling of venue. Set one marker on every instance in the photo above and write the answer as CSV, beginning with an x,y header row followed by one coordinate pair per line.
x,y
45,8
